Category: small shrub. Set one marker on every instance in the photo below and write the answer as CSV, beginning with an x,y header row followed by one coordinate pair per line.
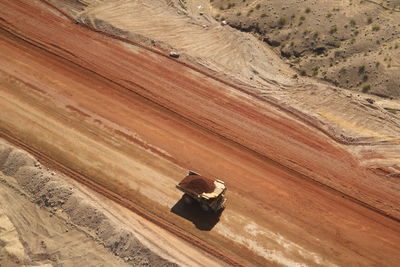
x,y
333,29
308,10
281,21
353,23
391,110
315,70
376,28
263,15
365,78
239,14
329,15
369,20
258,6
343,71
302,18
303,73
361,69
366,88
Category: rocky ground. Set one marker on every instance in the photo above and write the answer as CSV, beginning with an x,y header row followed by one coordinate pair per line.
x,y
351,44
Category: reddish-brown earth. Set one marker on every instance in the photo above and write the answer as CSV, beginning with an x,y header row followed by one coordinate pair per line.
x,y
198,184
88,101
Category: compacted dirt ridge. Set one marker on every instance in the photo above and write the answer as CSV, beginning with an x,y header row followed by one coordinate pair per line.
x,y
132,122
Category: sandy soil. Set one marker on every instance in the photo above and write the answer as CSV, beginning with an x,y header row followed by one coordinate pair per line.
x,y
46,218
140,150
351,44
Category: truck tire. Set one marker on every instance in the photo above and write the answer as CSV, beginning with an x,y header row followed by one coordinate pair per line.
x,y
187,199
205,207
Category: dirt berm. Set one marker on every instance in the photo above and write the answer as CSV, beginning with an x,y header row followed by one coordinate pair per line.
x,y
23,173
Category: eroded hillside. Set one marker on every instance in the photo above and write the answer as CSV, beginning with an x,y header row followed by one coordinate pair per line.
x,y
351,44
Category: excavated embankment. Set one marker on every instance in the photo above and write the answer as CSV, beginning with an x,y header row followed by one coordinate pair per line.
x,y
48,190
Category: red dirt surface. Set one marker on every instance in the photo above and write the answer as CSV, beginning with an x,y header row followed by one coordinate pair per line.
x,y
195,120
267,130
197,184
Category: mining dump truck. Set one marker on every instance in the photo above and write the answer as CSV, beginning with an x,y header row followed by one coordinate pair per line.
x,y
208,193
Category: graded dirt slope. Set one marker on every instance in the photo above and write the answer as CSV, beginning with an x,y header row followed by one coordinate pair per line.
x,y
358,120
138,149
48,219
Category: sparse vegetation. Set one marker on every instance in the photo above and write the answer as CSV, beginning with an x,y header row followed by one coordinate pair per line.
x,y
282,21
376,28
230,5
315,70
311,34
392,110
366,88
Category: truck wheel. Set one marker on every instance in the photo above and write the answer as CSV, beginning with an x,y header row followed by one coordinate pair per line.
x,y
187,199
205,207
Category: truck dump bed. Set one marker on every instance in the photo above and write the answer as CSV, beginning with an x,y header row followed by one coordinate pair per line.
x,y
197,184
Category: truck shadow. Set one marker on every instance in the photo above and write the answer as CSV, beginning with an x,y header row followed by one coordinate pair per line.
x,y
203,220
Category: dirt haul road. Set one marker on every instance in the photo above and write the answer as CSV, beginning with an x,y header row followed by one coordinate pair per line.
x,y
92,121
